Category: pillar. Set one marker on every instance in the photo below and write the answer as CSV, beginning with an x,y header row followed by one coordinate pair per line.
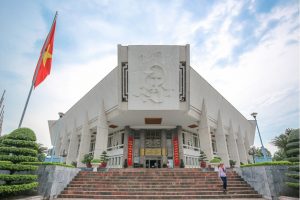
x,y
233,149
241,147
84,141
64,146
221,142
247,147
180,144
102,133
73,146
142,147
204,133
125,149
164,147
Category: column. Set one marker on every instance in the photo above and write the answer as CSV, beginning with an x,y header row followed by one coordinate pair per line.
x,y
180,144
233,149
241,147
64,146
84,141
58,145
164,147
204,133
125,148
221,142
73,146
142,147
102,133
247,147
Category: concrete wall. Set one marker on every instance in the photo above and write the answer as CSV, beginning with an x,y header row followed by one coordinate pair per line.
x,y
53,179
268,181
201,89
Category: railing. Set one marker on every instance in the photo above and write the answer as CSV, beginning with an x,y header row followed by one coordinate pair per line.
x,y
120,146
185,146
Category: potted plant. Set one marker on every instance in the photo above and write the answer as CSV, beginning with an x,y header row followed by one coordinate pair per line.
x,y
87,158
202,159
232,163
95,164
215,162
103,159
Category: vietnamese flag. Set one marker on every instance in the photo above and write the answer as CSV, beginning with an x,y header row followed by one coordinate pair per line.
x,y
43,67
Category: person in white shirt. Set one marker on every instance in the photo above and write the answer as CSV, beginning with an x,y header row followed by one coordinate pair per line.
x,y
222,175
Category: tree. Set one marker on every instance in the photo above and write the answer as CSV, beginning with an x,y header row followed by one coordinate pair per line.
x,y
17,147
280,142
258,152
292,153
42,150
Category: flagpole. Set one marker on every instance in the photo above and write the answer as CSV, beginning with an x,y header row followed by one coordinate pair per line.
x,y
35,73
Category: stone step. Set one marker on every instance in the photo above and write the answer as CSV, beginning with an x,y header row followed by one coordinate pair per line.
x,y
223,196
150,178
219,192
155,186
219,188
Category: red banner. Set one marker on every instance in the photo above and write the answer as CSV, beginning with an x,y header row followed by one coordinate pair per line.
x,y
130,145
176,151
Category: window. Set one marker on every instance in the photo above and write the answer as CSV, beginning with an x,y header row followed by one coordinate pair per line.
x,y
122,138
183,138
109,141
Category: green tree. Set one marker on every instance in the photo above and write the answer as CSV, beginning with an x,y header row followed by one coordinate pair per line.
x,y
280,142
17,147
292,152
42,150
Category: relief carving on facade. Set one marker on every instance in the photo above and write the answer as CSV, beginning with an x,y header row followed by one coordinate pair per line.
x,y
153,87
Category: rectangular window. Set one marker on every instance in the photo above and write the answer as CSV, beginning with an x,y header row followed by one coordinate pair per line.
x,y
122,138
183,138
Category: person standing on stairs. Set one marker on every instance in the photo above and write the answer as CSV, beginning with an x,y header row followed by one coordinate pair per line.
x,y
222,175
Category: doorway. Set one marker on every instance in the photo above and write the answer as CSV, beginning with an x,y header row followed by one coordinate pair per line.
x,y
153,163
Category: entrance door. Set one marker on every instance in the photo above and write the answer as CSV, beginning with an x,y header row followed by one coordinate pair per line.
x,y
153,163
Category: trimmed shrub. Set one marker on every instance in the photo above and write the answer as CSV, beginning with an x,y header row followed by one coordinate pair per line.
x,y
15,150
17,167
268,163
18,177
19,146
18,134
47,163
18,158
20,143
293,156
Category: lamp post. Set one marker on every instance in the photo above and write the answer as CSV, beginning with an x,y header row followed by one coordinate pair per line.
x,y
262,145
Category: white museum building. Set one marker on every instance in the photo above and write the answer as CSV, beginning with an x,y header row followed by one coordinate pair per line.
x,y
151,109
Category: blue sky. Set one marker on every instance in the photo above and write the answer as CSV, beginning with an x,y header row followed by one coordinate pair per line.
x,y
247,50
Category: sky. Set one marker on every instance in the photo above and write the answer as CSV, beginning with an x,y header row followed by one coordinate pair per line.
x,y
247,50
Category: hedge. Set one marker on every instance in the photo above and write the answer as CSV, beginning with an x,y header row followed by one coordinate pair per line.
x,y
294,168
22,134
294,151
19,158
6,189
296,176
17,167
47,163
293,185
18,177
268,163
5,162
20,143
18,151
293,159
292,144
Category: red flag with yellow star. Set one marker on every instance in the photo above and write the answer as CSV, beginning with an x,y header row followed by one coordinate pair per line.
x,y
43,67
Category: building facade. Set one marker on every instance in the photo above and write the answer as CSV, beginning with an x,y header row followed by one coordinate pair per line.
x,y
153,109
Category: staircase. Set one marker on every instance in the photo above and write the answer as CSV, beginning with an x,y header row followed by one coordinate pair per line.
x,y
156,184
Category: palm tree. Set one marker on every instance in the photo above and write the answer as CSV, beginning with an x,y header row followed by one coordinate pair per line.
x,y
42,150
281,140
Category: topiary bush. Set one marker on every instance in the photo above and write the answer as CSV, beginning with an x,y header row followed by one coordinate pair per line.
x,y
293,156
16,147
